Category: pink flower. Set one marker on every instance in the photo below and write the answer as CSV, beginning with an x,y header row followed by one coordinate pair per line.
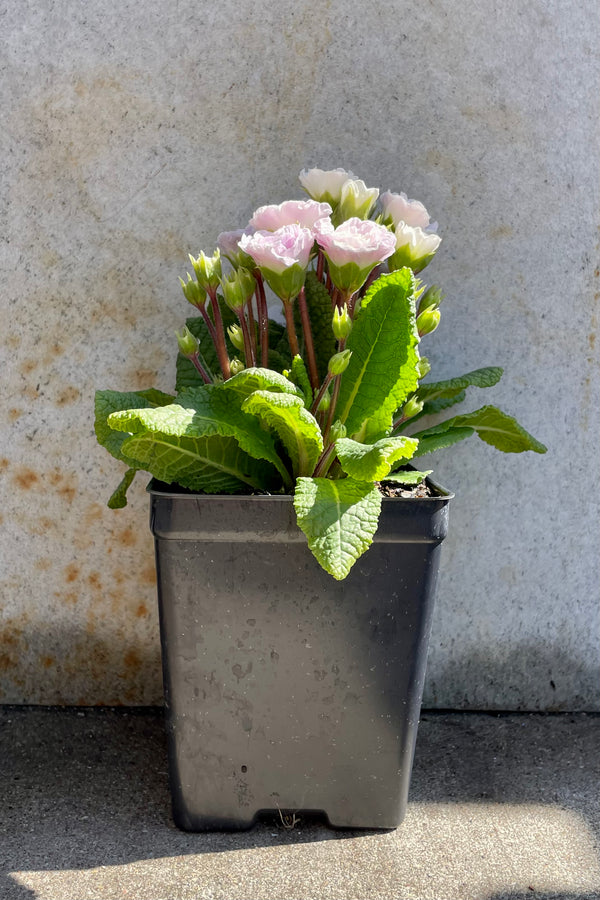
x,y
356,240
291,212
278,250
228,243
324,185
282,256
398,208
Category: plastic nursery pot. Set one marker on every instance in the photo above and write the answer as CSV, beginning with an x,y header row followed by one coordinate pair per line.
x,y
286,690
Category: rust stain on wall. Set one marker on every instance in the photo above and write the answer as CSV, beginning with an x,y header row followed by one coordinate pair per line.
x,y
25,478
71,573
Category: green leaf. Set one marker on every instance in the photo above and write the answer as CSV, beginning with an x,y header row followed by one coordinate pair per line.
x,y
300,378
107,402
382,371
429,443
441,395
203,442
118,498
297,429
320,313
493,426
339,519
279,348
372,462
407,476
255,379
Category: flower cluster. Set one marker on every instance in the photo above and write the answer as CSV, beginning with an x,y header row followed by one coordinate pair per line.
x,y
340,232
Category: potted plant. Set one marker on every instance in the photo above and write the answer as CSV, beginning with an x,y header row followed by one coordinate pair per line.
x,y
294,629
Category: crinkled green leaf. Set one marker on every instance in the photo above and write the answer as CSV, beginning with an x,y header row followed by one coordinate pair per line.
x,y
382,371
299,376
215,464
372,462
493,426
320,313
118,498
107,402
296,428
187,438
407,476
339,519
255,379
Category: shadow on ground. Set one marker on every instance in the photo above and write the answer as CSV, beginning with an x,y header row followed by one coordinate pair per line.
x,y
82,789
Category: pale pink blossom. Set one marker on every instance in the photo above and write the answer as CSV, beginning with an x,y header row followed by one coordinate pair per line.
x,y
399,208
358,241
324,185
276,251
228,243
291,212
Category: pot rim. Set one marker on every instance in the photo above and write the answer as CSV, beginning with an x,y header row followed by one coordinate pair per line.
x,y
162,489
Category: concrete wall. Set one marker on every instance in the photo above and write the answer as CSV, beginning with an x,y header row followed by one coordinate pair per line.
x,y
134,132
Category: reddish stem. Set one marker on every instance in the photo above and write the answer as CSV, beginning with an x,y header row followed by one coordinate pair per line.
x,y
321,394
200,368
320,264
219,338
291,328
308,341
248,348
263,319
251,328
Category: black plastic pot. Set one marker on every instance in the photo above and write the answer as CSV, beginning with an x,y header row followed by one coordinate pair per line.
x,y
285,689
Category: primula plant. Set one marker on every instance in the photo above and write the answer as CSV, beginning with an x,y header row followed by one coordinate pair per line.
x,y
325,407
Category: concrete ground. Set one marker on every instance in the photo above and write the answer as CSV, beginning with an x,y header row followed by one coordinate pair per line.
x,y
503,807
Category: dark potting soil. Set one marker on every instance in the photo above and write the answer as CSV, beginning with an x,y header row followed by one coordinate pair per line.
x,y
407,491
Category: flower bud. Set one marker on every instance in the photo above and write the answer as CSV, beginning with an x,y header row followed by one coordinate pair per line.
x,y
188,344
338,430
192,291
236,336
324,403
423,367
236,366
237,288
428,321
431,299
208,270
339,362
342,323
356,200
412,407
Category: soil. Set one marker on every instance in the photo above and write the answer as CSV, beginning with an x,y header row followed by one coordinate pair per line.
x,y
407,491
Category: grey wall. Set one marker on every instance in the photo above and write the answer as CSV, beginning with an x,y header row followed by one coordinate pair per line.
x,y
134,132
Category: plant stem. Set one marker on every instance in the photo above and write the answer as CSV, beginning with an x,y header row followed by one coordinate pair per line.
x,y
209,323
320,264
248,348
325,460
219,338
252,329
200,368
398,423
334,399
308,341
321,394
291,328
263,319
